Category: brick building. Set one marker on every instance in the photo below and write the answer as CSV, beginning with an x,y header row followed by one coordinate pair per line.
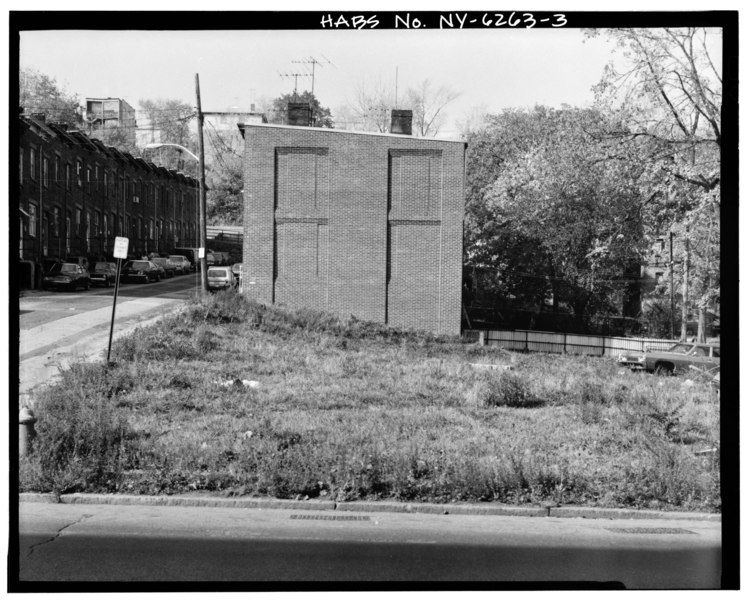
x,y
360,224
76,194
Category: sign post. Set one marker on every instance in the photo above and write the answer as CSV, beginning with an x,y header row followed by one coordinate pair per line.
x,y
120,252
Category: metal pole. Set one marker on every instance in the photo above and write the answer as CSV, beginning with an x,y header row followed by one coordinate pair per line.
x,y
672,299
203,228
114,309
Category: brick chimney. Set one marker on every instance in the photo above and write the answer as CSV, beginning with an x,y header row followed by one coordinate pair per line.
x,y
299,114
402,122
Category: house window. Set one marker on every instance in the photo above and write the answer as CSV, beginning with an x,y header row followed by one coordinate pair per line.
x,y
150,228
96,223
20,166
56,223
32,163
78,221
106,184
32,220
79,173
88,179
88,231
67,234
119,227
58,173
67,176
96,178
45,172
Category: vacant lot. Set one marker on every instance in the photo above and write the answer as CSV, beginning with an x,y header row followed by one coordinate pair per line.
x,y
349,410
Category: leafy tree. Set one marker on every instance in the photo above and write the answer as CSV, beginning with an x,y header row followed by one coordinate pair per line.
x,y
550,212
670,92
40,93
321,115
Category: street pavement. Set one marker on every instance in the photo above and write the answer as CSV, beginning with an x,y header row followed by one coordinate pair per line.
x,y
305,543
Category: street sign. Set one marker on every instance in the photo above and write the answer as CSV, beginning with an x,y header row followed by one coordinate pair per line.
x,y
120,247
201,252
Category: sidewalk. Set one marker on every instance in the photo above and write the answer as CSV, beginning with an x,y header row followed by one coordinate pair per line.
x,y
46,349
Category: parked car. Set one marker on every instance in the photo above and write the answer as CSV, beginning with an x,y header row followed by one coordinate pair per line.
x,y
104,273
220,278
676,359
210,259
236,269
169,268
180,263
140,270
190,254
69,276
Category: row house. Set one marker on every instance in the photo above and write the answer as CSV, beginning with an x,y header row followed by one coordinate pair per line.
x,y
76,195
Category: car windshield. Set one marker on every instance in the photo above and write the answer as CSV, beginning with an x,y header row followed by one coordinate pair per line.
x,y
177,258
101,266
218,273
139,264
63,268
159,261
681,348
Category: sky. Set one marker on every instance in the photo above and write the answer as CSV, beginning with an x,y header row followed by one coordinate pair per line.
x,y
489,68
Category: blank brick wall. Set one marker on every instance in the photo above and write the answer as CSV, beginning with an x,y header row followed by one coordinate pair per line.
x,y
357,224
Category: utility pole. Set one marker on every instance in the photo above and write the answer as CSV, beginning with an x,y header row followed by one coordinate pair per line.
x,y
203,227
672,298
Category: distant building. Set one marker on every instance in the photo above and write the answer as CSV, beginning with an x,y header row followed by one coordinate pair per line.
x,y
360,224
106,113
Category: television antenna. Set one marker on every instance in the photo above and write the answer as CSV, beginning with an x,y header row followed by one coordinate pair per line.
x,y
314,62
295,80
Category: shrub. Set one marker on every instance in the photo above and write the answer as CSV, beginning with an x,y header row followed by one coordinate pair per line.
x,y
81,439
506,389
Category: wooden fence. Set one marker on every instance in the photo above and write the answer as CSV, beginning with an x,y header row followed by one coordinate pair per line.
x,y
545,341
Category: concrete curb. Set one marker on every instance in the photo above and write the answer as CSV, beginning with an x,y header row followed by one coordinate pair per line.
x,y
580,512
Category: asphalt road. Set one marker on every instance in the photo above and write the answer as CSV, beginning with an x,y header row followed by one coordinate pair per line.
x,y
104,543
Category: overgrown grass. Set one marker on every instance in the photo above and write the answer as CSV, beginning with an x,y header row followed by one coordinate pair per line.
x,y
350,410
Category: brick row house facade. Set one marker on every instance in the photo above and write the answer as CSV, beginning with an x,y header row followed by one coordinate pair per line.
x,y
354,223
76,195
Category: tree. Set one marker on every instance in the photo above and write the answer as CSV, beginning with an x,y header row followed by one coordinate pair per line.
x,y
169,121
321,115
669,91
550,212
40,93
427,104
371,106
